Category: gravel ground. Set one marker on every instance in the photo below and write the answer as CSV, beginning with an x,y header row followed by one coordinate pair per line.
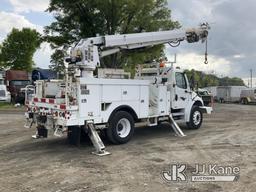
x,y
227,137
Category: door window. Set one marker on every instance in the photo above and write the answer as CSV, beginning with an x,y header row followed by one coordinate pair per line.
x,y
181,80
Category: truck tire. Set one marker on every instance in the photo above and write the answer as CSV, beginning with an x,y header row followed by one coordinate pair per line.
x,y
196,118
121,127
245,101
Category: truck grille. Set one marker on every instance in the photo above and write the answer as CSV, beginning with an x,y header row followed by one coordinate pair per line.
x,y
2,93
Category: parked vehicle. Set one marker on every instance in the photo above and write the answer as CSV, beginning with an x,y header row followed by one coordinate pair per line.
x,y
229,93
5,95
43,74
1,78
213,91
206,96
15,81
248,96
84,102
226,94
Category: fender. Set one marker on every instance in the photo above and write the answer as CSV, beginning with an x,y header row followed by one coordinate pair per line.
x,y
196,101
126,108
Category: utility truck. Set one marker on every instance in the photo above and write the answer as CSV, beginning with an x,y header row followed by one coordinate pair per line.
x,y
114,106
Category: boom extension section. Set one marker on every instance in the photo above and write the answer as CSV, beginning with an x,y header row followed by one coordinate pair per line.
x,y
87,53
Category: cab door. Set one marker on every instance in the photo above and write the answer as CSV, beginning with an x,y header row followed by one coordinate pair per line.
x,y
181,91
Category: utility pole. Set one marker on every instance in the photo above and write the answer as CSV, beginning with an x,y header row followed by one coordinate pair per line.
x,y
251,76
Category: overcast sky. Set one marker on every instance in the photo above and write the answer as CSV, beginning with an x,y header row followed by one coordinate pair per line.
x,y
232,40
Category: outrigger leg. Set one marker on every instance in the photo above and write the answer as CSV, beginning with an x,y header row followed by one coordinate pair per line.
x,y
176,127
96,140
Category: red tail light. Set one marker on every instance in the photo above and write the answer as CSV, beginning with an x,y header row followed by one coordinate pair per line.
x,y
63,106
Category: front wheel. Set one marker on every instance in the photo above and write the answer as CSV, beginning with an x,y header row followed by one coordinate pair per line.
x,y
196,118
121,128
245,101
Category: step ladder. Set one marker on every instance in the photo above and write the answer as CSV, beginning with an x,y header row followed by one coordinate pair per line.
x,y
176,127
96,141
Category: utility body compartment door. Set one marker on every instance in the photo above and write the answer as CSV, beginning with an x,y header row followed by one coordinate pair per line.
x,y
89,100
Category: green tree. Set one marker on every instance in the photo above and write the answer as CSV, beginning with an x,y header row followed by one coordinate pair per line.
x,y
205,80
18,49
88,18
57,61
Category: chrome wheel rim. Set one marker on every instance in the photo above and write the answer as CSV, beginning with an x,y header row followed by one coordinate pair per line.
x,y
197,117
123,127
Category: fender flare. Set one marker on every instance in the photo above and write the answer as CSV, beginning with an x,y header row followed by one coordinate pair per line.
x,y
126,108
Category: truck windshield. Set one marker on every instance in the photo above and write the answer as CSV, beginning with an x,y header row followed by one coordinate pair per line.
x,y
19,83
1,81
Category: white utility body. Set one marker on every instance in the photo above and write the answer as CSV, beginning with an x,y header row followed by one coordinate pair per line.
x,y
84,102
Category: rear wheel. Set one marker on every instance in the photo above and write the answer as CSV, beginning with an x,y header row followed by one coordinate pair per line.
x,y
196,118
121,128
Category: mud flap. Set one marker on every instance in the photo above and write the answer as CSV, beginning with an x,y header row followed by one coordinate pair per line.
x,y
74,135
42,132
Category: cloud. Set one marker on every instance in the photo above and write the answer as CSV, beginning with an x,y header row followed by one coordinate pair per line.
x,y
233,32
238,56
43,55
247,82
13,20
219,66
25,6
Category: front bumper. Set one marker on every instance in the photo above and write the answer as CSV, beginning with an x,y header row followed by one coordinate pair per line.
x,y
207,110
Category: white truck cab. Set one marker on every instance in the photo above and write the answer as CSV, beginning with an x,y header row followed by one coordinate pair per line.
x,y
183,100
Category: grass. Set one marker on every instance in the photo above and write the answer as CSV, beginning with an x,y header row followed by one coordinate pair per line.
x,y
4,105
10,107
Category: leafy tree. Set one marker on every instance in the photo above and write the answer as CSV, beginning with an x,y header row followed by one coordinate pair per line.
x,y
57,61
205,80
18,49
226,81
88,18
